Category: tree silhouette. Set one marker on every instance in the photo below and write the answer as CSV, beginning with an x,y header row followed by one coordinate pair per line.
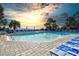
x,y
3,21
70,24
51,24
14,24
1,12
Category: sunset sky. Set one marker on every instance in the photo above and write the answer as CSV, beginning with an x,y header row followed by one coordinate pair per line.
x,y
30,14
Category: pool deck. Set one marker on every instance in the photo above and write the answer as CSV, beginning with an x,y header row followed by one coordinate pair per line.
x,y
21,48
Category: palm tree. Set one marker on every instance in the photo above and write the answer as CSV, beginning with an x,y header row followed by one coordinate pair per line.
x,y
1,15
47,25
51,24
70,24
14,24
4,23
54,25
3,20
1,12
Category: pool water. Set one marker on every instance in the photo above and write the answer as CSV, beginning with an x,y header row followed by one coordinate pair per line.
x,y
39,36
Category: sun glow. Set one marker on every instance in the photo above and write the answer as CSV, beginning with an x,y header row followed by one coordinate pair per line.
x,y
36,16
33,18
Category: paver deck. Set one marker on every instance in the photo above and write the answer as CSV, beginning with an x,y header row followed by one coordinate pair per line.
x,y
21,48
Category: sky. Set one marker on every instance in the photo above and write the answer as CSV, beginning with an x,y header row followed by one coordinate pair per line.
x,y
36,14
70,9
29,14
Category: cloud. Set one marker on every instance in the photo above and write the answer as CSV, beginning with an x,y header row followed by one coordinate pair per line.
x,y
30,11
28,7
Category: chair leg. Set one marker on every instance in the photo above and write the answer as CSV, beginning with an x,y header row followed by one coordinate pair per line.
x,y
53,53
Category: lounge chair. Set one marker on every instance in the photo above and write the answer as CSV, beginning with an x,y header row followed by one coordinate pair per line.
x,y
61,53
65,51
77,37
75,40
24,30
11,31
72,43
16,30
21,30
54,50
70,50
57,52
74,30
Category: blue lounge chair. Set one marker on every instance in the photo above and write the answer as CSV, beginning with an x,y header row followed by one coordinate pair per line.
x,y
61,53
17,30
75,40
64,51
72,43
58,52
54,50
74,30
70,50
24,30
11,31
21,30
77,37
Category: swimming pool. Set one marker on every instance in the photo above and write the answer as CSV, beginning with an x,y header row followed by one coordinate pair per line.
x,y
39,36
